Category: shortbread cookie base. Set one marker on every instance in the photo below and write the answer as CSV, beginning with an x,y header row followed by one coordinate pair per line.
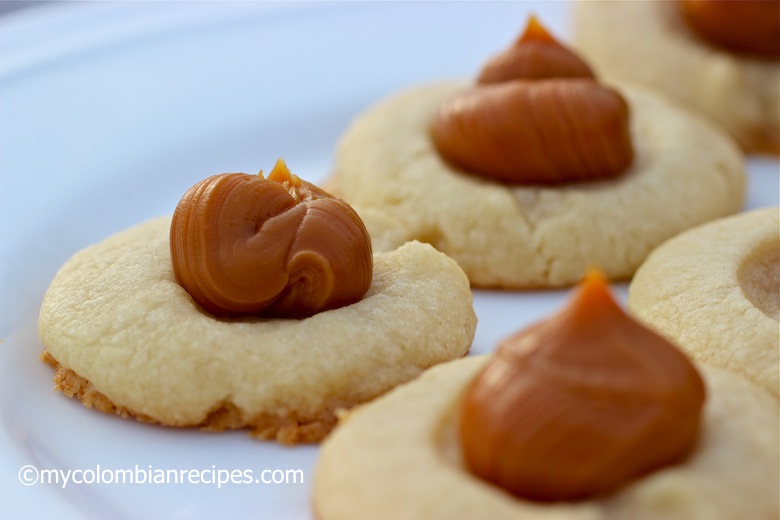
x,y
398,458
650,43
713,291
126,338
283,429
386,232
685,172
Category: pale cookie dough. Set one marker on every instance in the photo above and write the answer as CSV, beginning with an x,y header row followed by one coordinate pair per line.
x,y
713,291
386,231
127,338
650,43
397,458
511,236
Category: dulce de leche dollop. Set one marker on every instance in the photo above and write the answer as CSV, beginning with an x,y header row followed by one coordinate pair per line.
x,y
536,115
743,26
580,404
535,55
244,244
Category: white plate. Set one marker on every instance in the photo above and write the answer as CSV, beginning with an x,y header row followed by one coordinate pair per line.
x,y
109,112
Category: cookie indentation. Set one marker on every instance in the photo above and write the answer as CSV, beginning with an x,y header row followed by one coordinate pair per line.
x,y
759,278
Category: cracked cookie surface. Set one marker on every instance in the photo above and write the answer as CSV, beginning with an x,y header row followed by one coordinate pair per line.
x,y
530,236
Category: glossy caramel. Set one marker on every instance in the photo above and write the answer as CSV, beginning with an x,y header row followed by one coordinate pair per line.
x,y
742,26
536,115
245,245
580,404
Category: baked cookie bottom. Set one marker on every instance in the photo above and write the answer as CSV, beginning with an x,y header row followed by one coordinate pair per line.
x,y
398,458
125,338
285,430
651,44
530,236
713,291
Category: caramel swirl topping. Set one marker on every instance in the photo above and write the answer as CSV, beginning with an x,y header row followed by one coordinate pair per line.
x,y
245,245
742,26
536,115
580,404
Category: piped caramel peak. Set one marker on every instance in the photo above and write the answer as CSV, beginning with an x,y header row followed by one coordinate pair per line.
x,y
245,245
281,174
536,116
742,26
536,32
580,404
535,55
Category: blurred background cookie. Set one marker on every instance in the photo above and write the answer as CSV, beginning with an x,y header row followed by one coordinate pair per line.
x,y
719,58
538,171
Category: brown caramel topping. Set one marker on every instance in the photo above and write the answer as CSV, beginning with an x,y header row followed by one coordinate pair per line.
x,y
242,244
743,26
535,55
537,131
580,404
536,115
